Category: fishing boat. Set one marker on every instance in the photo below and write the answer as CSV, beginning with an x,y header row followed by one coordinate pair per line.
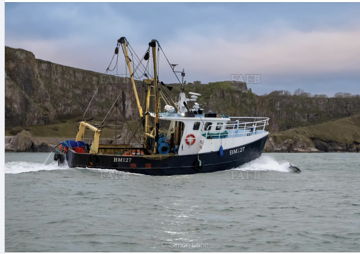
x,y
193,141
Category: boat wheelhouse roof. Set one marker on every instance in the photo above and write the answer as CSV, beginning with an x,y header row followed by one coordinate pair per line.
x,y
179,117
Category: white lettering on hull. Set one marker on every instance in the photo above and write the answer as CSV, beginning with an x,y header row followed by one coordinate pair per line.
x,y
237,150
122,159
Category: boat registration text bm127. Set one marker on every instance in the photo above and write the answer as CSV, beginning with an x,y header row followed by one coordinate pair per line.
x,y
237,150
122,159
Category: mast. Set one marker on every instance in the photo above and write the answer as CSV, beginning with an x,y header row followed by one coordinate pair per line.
x,y
147,107
151,127
124,44
153,44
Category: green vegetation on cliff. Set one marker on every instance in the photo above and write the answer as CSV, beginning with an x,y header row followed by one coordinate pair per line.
x,y
338,135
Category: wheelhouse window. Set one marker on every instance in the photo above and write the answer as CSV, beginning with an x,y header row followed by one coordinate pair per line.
x,y
196,126
219,126
207,126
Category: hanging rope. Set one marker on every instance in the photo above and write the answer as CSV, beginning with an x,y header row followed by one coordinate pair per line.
x,y
147,69
116,53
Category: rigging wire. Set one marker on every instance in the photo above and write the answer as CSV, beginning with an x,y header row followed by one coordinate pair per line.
x,y
165,94
172,69
158,64
146,72
137,57
164,97
111,108
117,66
112,59
88,106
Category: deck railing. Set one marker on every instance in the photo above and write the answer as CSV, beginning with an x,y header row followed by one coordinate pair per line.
x,y
238,126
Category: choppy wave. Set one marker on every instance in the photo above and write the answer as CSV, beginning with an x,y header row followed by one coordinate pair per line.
x,y
265,163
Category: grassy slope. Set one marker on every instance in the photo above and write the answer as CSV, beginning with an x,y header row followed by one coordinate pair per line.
x,y
344,130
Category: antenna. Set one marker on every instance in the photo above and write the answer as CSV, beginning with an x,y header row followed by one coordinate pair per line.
x,y
182,73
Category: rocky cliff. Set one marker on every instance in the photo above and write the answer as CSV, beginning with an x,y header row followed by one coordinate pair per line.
x,y
40,93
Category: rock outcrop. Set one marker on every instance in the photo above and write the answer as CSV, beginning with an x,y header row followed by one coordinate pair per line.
x,y
289,145
24,142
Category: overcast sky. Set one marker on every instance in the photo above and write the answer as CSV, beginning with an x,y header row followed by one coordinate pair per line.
x,y
312,46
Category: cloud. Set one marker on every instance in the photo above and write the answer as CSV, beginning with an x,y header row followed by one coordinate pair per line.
x,y
285,61
293,52
211,41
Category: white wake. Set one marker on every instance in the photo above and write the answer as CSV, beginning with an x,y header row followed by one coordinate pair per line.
x,y
16,167
265,163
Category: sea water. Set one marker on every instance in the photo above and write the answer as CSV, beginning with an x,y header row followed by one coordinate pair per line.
x,y
260,206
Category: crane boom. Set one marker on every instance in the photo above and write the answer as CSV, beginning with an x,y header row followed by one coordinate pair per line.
x,y
124,45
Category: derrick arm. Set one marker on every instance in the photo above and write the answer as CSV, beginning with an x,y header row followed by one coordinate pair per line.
x,y
94,149
124,44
